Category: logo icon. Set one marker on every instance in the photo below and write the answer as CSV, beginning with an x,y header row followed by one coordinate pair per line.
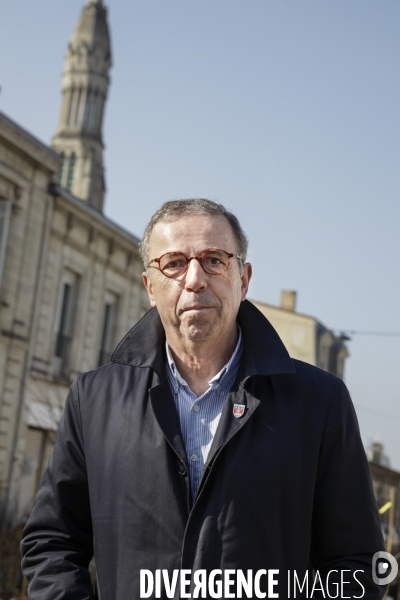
x,y
384,568
238,410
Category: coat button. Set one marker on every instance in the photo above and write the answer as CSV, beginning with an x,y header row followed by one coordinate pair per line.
x,y
182,469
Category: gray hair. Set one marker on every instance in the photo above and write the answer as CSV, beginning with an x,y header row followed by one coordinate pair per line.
x,y
193,206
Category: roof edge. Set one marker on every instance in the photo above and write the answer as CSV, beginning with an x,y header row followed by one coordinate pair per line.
x,y
95,214
285,310
29,137
298,314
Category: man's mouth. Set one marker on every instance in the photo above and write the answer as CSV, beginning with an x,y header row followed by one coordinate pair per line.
x,y
196,307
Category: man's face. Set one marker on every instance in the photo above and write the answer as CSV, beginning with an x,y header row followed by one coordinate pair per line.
x,y
197,305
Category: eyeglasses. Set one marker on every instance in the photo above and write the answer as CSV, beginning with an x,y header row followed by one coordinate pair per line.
x,y
214,261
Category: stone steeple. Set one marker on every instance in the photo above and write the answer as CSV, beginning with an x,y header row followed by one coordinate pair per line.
x,y
85,84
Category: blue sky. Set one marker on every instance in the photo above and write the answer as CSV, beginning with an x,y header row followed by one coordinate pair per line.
x,y
286,112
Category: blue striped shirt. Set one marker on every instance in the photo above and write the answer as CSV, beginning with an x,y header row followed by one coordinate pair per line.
x,y
199,417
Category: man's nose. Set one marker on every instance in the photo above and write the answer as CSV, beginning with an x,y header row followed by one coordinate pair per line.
x,y
195,278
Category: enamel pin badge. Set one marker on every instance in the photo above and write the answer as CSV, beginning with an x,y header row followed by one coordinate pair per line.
x,y
238,410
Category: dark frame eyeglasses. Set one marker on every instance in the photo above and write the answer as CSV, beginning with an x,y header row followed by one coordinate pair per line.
x,y
214,261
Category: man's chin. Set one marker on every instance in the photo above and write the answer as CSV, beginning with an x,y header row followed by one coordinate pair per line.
x,y
197,331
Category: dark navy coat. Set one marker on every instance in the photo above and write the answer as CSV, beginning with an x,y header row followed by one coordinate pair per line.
x,y
286,486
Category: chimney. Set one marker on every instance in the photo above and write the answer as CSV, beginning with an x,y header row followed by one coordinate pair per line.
x,y
288,300
377,453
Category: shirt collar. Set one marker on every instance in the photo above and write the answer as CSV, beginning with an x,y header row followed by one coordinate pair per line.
x,y
217,379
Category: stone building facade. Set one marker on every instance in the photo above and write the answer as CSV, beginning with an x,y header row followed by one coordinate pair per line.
x,y
70,289
305,337
70,279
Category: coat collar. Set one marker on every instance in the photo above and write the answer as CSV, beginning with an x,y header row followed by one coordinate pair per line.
x,y
264,352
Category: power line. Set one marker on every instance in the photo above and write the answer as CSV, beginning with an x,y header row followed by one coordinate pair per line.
x,y
377,333
378,412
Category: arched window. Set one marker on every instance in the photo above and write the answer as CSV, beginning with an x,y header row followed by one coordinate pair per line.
x,y
60,172
71,100
93,110
78,108
71,168
87,108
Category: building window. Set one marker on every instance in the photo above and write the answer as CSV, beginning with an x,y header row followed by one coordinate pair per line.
x,y
78,107
71,100
108,330
63,337
71,168
87,108
93,111
60,172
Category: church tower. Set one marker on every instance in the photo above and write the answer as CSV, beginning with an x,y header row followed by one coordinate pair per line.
x,y
85,84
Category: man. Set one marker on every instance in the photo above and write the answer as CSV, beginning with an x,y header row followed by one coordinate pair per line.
x,y
203,447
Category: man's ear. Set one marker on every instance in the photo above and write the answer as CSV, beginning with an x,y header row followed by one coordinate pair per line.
x,y
149,287
245,275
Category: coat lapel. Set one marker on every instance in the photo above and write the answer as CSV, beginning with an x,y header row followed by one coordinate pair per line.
x,y
166,415
229,426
